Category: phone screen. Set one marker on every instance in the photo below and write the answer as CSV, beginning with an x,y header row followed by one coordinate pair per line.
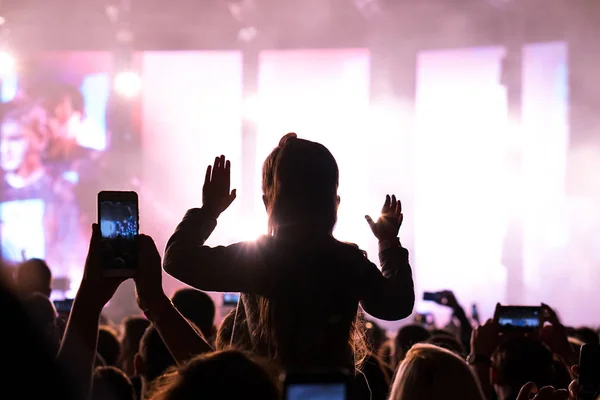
x,y
431,296
519,317
589,372
120,228
63,306
316,391
230,299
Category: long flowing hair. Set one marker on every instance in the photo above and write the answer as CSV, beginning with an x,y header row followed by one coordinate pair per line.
x,y
429,373
299,182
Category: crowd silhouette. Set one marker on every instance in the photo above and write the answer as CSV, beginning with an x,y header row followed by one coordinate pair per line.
x,y
303,314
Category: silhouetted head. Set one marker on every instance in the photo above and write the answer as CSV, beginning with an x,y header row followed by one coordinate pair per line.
x,y
226,375
587,335
223,338
133,330
375,335
300,182
23,135
198,307
111,383
430,373
153,358
42,314
31,370
519,361
448,342
109,346
34,276
407,337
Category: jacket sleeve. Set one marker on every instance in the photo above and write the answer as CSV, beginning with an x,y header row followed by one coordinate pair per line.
x,y
234,268
390,294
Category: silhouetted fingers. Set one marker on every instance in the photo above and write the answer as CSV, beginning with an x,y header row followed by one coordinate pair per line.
x,y
561,394
232,197
575,370
496,311
370,222
574,389
147,249
393,203
96,239
227,176
96,233
386,204
207,175
526,391
550,315
549,393
399,208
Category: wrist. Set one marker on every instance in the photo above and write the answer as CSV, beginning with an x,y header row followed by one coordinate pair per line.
x,y
210,212
389,243
86,298
476,358
154,309
458,311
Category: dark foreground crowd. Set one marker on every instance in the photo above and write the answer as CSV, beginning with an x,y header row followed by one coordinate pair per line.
x,y
302,318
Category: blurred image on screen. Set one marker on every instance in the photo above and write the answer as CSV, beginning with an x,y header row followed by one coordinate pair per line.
x,y
322,391
52,137
118,220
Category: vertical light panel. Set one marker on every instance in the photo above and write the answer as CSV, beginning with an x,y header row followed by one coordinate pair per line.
x,y
460,179
549,276
322,95
191,112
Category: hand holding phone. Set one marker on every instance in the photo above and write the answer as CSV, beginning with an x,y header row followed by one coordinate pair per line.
x,y
522,319
95,286
148,283
444,298
588,382
118,216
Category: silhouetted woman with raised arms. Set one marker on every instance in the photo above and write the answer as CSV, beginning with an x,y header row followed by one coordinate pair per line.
x,y
300,287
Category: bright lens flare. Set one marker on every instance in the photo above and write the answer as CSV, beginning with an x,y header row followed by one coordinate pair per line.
x,y
251,228
7,64
128,84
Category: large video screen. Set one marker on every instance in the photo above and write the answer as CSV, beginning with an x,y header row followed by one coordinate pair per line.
x,y
53,138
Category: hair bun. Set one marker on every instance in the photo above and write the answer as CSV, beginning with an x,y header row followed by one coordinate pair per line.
x,y
286,138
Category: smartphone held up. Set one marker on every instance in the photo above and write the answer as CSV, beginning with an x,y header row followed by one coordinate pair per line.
x,y
589,372
118,217
519,318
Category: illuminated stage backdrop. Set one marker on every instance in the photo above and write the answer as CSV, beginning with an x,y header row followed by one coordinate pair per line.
x,y
54,135
465,174
322,95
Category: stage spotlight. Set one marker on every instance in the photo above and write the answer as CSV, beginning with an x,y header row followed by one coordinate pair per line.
x,y
7,64
128,84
